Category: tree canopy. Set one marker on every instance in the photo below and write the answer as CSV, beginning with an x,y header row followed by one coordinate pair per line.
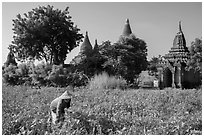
x,y
195,61
44,33
126,58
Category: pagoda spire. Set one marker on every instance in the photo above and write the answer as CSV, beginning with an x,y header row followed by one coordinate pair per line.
x,y
179,51
127,30
127,21
86,47
179,40
96,46
180,30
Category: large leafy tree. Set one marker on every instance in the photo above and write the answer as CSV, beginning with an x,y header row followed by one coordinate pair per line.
x,y
195,61
44,33
112,59
127,57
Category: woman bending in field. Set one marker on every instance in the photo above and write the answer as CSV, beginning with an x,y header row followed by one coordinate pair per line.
x,y
58,106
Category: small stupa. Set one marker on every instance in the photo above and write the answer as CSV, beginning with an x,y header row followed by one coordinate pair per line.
x,y
127,30
86,47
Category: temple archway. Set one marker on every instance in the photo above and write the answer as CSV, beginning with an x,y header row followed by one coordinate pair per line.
x,y
167,77
177,77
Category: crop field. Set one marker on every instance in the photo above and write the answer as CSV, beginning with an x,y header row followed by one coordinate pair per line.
x,y
25,111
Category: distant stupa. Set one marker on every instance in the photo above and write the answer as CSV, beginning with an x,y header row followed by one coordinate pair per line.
x,y
127,30
86,47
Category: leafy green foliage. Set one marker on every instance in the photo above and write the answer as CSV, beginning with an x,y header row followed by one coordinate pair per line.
x,y
111,55
44,33
23,70
60,76
42,75
57,76
103,111
195,61
9,75
39,74
152,65
126,58
10,59
88,65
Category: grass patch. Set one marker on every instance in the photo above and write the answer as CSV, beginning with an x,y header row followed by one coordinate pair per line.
x,y
105,81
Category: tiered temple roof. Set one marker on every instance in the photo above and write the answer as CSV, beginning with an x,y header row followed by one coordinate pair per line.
x,y
179,51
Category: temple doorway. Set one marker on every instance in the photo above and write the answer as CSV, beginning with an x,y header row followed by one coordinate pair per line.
x,y
167,78
177,77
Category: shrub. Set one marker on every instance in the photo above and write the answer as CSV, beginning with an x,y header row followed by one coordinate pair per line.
x,y
22,70
9,75
104,81
78,79
60,76
40,74
15,75
57,76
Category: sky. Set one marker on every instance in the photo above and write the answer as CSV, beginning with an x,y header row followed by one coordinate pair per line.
x,y
154,22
